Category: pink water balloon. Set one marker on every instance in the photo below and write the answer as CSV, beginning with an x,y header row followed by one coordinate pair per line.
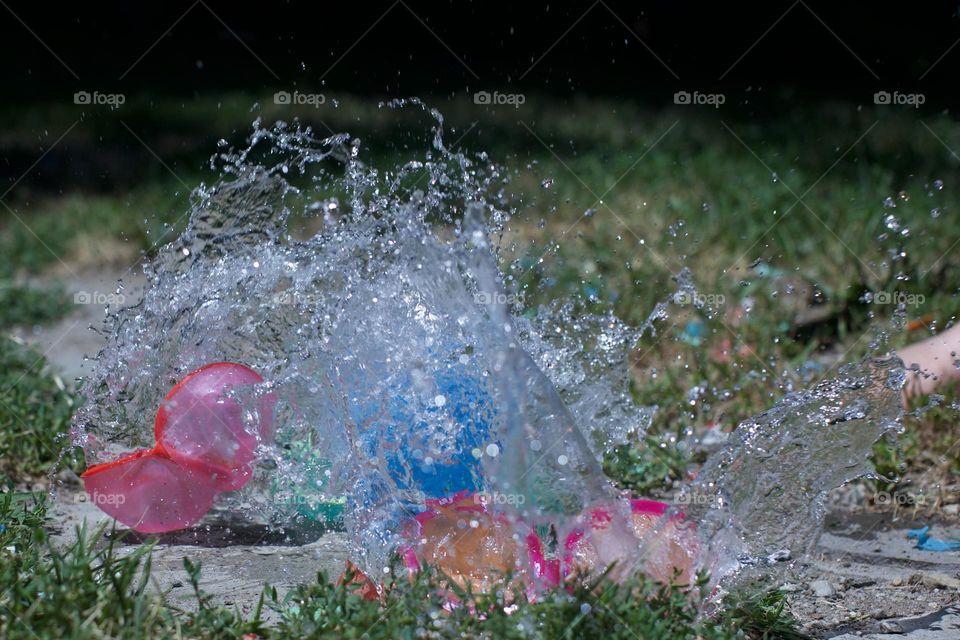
x,y
202,448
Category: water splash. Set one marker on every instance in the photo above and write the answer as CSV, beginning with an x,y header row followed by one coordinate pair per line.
x,y
760,500
404,371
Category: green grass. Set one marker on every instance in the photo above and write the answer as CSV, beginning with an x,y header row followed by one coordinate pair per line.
x,y
924,461
35,410
761,614
645,466
27,306
88,589
58,231
65,234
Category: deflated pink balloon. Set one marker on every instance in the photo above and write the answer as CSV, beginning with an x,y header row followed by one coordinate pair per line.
x,y
149,493
202,449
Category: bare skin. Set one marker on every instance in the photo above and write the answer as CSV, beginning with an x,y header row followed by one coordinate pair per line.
x,y
931,362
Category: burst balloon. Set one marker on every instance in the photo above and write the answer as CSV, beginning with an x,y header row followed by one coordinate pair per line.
x,y
202,448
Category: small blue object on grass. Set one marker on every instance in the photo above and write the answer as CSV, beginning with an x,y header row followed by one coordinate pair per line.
x,y
694,332
928,543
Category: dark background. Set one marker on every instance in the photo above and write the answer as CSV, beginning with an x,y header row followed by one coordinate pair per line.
x,y
815,50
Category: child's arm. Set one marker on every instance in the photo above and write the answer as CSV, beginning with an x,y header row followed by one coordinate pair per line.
x,y
931,362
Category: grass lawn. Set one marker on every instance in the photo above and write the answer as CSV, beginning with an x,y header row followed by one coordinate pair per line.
x,y
789,222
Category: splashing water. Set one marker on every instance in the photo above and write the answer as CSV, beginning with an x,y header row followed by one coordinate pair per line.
x,y
762,496
404,372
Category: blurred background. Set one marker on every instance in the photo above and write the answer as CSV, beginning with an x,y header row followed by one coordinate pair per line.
x,y
800,158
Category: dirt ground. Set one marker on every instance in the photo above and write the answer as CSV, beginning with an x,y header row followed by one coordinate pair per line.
x,y
865,580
